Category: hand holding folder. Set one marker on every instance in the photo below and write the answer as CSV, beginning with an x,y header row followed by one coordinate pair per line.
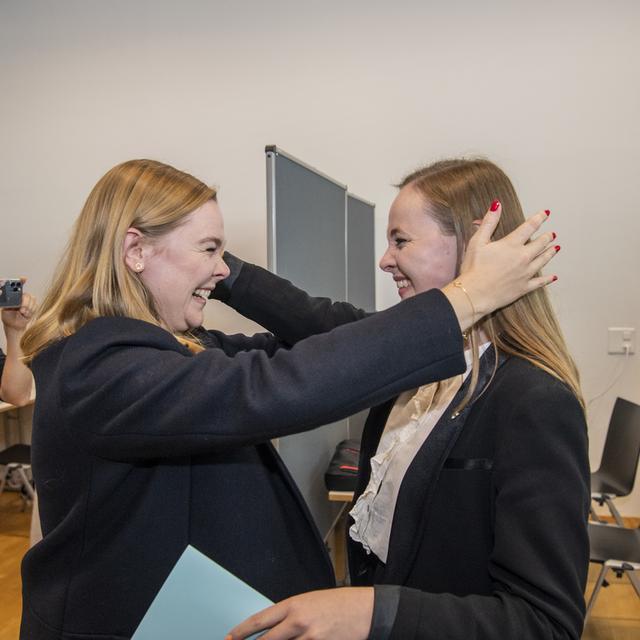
x,y
199,600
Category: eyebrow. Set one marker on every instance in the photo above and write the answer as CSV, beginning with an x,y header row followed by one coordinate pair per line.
x,y
211,239
395,231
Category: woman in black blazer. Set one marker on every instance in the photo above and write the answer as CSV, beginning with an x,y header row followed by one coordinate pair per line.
x,y
471,506
151,433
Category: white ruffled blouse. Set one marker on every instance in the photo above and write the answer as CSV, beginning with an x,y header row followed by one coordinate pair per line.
x,y
412,418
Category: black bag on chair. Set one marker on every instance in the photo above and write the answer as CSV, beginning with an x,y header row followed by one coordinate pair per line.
x,y
342,472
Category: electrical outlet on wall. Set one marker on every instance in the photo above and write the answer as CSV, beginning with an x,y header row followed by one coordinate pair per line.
x,y
622,340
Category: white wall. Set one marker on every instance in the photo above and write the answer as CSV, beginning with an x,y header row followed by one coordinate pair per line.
x,y
363,90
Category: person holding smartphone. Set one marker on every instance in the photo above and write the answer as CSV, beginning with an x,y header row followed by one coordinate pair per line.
x,y
16,381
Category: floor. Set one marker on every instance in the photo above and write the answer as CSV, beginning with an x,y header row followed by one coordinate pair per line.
x,y
616,615
14,542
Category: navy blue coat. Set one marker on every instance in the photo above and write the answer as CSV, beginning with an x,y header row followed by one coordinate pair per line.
x,y
140,448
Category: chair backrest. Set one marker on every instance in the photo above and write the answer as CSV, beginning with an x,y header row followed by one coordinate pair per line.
x,y
622,445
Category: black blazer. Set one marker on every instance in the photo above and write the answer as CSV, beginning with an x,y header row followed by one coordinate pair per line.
x,y
489,537
140,448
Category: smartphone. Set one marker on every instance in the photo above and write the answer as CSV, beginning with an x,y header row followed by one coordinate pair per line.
x,y
10,292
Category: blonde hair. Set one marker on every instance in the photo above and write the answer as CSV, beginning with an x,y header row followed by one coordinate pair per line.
x,y
92,279
457,192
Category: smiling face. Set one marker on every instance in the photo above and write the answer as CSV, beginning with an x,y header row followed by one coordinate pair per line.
x,y
418,256
182,267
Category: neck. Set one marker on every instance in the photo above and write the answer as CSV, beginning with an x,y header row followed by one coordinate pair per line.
x,y
481,334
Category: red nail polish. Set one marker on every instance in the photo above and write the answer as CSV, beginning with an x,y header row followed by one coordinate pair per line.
x,y
554,278
547,212
553,235
557,248
494,205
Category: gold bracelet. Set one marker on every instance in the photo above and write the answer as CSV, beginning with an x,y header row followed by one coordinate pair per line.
x,y
459,285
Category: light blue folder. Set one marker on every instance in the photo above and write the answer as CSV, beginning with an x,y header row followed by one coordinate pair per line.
x,y
199,599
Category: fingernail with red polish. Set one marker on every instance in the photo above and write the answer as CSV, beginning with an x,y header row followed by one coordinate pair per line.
x,y
557,248
547,212
494,205
553,235
554,278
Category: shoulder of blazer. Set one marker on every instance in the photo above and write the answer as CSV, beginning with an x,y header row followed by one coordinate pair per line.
x,y
124,332
525,380
525,394
102,335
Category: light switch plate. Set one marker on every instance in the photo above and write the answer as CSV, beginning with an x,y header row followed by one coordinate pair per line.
x,y
622,340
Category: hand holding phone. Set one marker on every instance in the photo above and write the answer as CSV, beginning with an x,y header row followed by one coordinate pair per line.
x,y
11,293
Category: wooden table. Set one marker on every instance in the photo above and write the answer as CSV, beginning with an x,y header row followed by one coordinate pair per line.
x,y
341,496
12,412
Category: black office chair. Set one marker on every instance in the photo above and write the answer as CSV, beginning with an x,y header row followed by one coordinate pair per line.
x,y
619,465
616,549
17,461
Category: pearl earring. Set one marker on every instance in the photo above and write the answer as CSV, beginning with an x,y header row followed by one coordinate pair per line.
x,y
138,266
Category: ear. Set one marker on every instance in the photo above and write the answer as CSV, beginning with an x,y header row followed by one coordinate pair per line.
x,y
134,249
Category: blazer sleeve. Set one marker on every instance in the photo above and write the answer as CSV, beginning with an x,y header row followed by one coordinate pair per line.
x,y
129,390
279,306
235,343
540,556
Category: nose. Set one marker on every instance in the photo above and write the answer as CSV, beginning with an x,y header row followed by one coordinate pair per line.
x,y
387,262
222,270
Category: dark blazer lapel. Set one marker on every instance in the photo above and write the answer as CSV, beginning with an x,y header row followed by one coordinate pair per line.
x,y
418,486
374,426
358,559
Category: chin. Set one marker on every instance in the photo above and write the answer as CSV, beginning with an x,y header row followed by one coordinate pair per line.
x,y
406,293
194,323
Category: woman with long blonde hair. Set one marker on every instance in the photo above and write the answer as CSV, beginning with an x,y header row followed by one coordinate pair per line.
x,y
151,433
470,513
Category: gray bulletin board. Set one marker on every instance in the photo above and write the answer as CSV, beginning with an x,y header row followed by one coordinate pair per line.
x,y
361,261
361,267
315,230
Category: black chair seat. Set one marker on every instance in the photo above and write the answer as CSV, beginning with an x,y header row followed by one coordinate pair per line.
x,y
608,542
601,483
18,453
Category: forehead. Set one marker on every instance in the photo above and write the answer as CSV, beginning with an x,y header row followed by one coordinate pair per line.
x,y
408,210
205,222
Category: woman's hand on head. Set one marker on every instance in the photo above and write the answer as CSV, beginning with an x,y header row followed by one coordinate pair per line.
x,y
332,614
495,273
